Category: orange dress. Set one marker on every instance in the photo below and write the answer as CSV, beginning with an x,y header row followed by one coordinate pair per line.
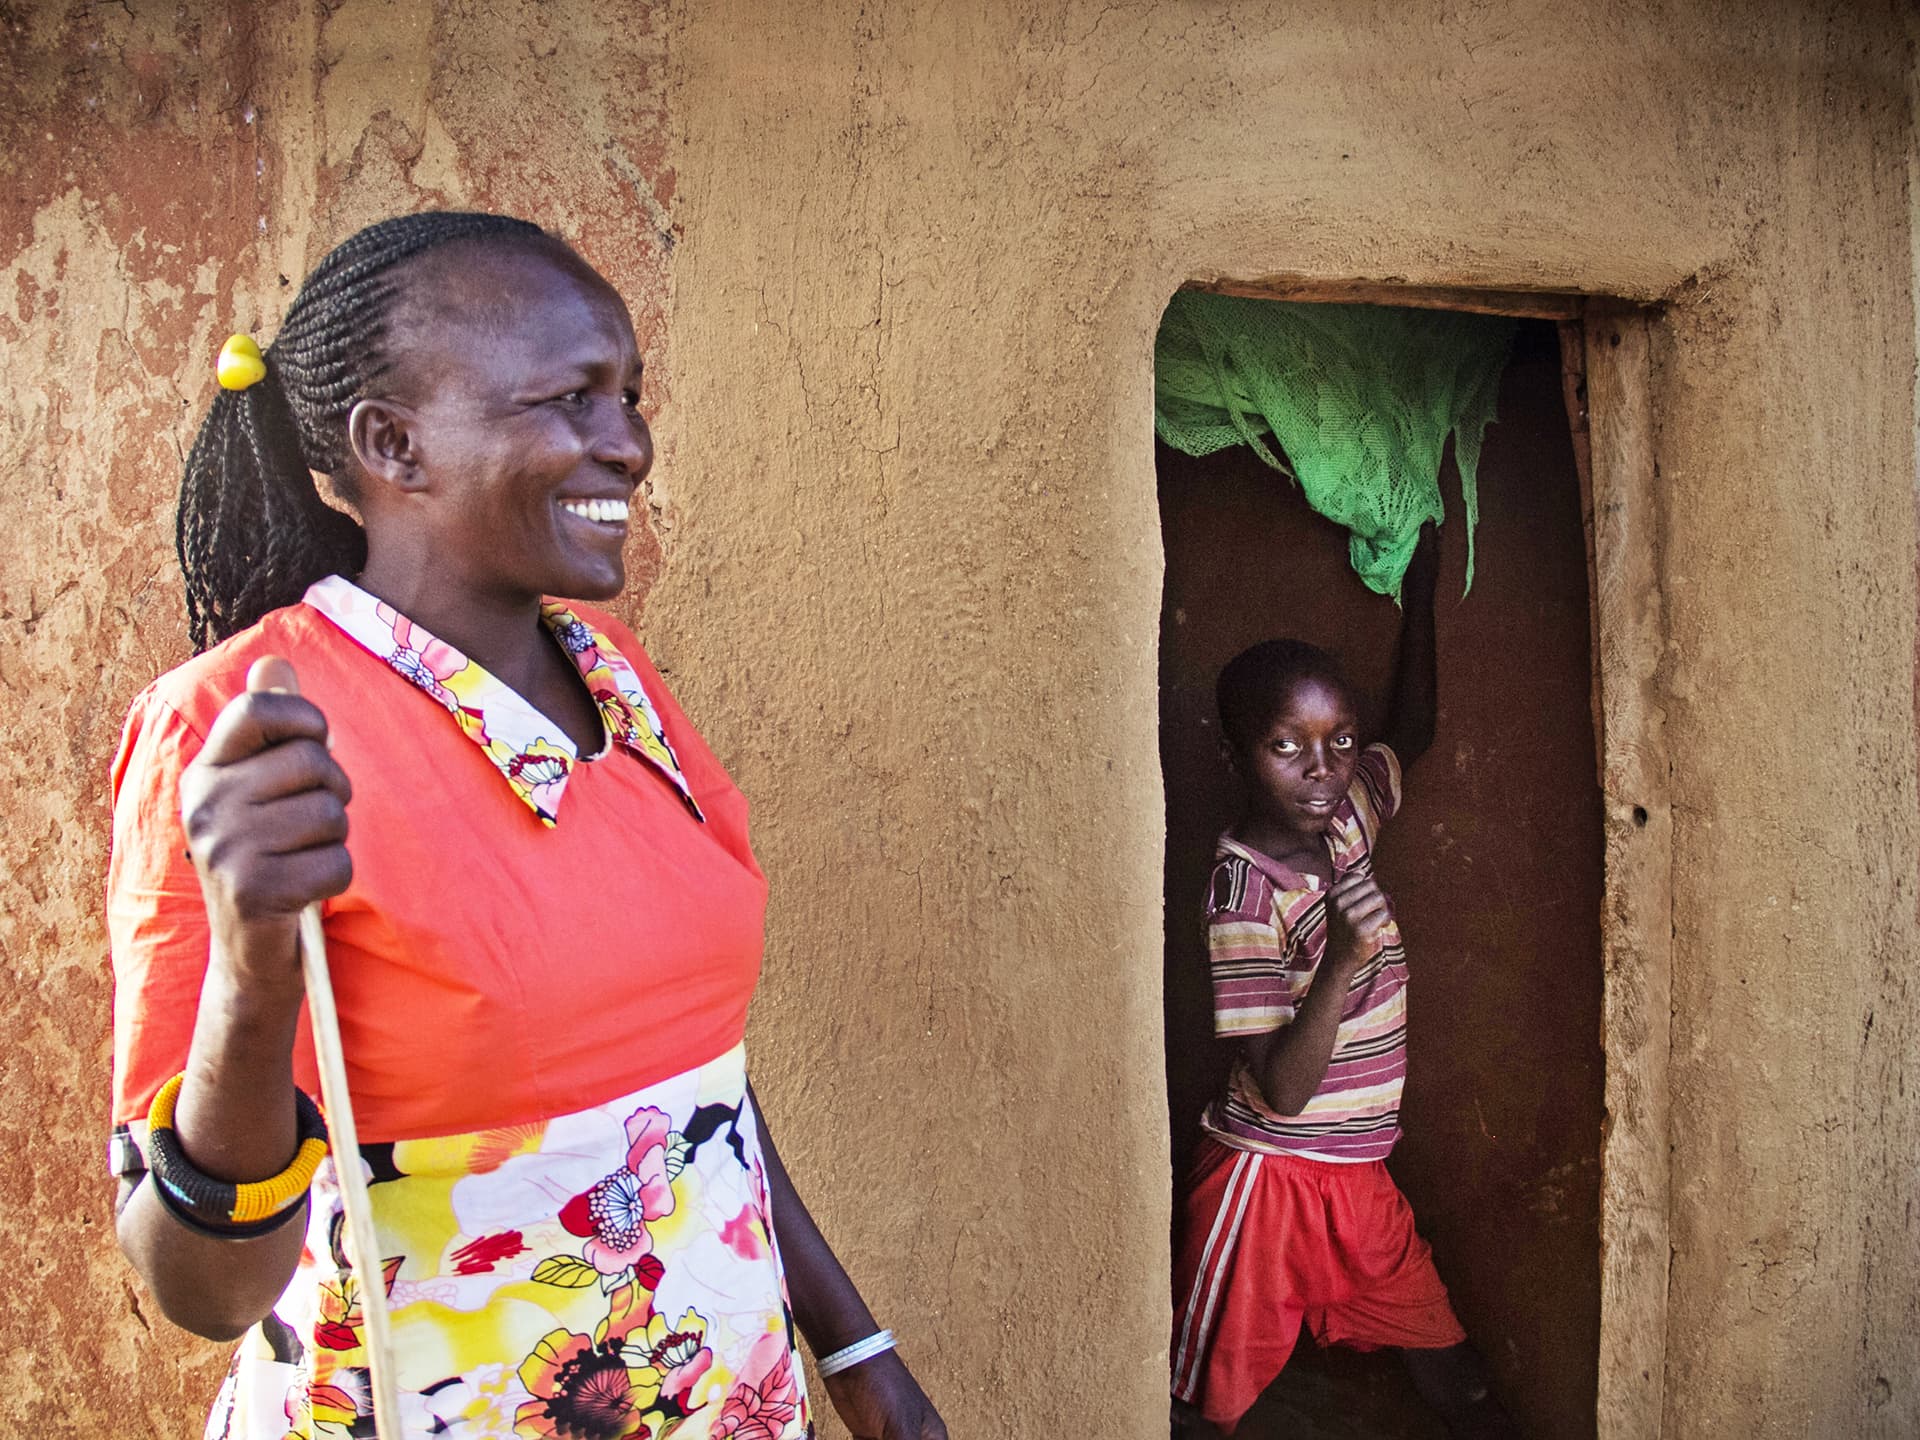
x,y
543,966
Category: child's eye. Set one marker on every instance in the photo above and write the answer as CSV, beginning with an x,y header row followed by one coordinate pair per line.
x,y
1285,747
1343,742
630,399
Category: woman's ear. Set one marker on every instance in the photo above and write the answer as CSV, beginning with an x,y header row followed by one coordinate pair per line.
x,y
385,442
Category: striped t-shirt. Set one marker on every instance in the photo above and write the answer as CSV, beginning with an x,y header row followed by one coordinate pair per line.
x,y
1267,931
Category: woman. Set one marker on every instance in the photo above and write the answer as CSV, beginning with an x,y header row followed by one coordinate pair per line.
x,y
545,938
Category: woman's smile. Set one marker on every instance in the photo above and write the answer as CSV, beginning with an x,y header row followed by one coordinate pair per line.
x,y
532,433
607,514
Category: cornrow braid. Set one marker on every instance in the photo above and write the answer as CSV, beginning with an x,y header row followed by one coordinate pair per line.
x,y
252,530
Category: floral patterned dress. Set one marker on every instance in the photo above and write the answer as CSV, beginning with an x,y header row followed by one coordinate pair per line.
x,y
605,1270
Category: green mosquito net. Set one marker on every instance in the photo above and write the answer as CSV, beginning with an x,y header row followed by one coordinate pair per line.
x,y
1354,402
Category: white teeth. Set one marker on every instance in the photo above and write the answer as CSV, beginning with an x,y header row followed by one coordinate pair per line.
x,y
607,511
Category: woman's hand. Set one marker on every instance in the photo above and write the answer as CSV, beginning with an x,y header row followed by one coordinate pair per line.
x,y
265,810
879,1399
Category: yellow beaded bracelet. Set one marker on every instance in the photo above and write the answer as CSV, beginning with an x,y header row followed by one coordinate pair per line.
x,y
221,1202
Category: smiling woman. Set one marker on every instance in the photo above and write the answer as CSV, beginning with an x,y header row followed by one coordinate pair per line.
x,y
584,1227
501,466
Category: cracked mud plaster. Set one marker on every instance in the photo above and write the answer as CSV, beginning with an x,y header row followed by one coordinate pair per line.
x,y
911,581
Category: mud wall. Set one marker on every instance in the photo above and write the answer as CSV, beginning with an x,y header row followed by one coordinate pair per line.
x,y
910,258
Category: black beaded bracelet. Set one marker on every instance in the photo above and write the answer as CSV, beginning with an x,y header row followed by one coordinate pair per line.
x,y
222,1207
250,1230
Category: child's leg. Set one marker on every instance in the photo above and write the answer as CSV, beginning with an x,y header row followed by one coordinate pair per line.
x,y
1253,1241
1398,1302
1453,1381
1187,1423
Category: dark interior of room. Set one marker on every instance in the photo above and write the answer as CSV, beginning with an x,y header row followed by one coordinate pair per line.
x,y
1494,868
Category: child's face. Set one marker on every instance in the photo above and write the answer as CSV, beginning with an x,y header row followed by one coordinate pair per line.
x,y
1298,769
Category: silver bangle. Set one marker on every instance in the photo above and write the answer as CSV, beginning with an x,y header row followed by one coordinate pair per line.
x,y
845,1359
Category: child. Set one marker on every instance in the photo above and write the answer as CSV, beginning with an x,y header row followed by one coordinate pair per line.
x,y
1290,1214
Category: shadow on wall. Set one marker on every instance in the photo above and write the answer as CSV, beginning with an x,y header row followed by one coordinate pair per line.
x,y
1494,866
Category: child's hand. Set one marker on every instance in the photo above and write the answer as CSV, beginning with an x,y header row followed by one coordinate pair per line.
x,y
1357,912
1423,570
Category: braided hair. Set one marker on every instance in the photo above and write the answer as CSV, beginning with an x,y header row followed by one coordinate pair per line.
x,y
252,530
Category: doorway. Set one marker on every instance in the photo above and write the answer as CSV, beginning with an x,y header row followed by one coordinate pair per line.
x,y
1495,868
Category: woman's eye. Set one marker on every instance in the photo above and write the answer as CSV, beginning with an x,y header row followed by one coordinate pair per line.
x,y
630,399
573,399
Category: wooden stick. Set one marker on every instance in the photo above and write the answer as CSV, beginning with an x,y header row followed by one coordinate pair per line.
x,y
363,1245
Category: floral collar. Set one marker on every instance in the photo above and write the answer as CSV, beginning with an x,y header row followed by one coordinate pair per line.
x,y
533,754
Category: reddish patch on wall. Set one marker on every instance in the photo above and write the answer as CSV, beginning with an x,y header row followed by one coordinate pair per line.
x,y
1494,866
164,164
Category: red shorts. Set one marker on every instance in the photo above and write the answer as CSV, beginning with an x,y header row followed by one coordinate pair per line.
x,y
1271,1240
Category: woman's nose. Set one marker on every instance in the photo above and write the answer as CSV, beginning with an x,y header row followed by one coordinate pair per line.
x,y
622,441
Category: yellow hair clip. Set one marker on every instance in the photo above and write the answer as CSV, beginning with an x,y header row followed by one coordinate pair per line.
x,y
240,364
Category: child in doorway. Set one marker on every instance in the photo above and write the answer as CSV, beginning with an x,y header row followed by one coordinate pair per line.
x,y
1289,1213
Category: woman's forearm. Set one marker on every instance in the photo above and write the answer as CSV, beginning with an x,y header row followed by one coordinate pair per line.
x,y
876,1397
826,1306
235,1121
214,1287
235,1117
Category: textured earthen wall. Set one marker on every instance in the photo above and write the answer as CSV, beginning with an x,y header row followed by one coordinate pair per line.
x,y
911,579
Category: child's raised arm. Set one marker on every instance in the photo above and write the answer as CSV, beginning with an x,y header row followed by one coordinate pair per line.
x,y
1416,682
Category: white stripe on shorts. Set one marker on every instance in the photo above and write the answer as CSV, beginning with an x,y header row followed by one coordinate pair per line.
x,y
1215,1260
